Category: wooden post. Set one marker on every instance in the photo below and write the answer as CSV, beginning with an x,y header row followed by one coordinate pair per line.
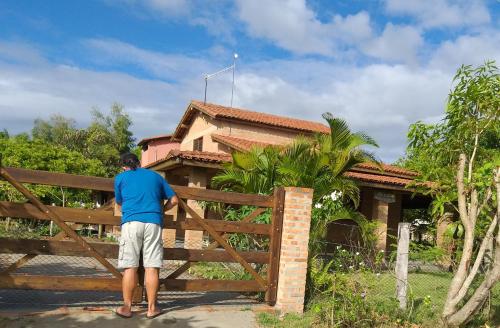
x,y
402,263
275,246
99,232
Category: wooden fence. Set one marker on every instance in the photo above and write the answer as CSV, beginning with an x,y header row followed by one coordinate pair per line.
x,y
218,251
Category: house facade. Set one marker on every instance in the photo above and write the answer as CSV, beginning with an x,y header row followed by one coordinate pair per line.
x,y
206,136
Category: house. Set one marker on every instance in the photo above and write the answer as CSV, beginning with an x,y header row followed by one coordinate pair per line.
x,y
207,134
155,148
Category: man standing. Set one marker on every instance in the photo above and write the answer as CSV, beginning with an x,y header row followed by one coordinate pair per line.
x,y
141,192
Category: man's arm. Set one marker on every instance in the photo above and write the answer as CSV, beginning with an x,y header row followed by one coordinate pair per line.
x,y
172,202
169,194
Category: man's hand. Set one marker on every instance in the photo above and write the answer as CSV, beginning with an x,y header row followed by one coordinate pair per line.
x,y
171,203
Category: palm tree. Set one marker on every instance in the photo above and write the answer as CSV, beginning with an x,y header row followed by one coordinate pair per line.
x,y
318,163
254,172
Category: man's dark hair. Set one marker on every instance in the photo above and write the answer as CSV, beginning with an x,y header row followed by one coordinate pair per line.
x,y
130,160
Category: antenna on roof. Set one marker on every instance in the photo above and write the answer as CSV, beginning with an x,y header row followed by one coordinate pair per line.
x,y
229,68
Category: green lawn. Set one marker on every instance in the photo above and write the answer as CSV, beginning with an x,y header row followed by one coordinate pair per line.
x,y
427,293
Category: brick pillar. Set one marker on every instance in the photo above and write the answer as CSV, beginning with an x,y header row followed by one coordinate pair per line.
x,y
294,250
197,179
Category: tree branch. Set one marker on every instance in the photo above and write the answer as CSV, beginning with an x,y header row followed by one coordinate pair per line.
x,y
472,157
461,273
462,203
477,263
486,199
474,303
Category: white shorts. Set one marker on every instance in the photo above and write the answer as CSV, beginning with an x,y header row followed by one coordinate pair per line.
x,y
136,236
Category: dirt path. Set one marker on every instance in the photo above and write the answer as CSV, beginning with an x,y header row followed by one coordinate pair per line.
x,y
196,317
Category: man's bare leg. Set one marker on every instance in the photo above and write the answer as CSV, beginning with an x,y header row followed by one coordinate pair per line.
x,y
152,285
129,282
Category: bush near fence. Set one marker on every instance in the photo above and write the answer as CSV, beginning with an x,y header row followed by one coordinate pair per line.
x,y
355,286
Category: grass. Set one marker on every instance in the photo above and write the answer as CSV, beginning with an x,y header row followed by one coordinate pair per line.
x,y
219,271
25,229
426,291
427,294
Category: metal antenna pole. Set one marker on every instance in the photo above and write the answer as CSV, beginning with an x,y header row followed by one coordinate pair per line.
x,y
209,76
206,85
232,87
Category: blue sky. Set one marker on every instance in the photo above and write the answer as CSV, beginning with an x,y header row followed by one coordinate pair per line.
x,y
379,64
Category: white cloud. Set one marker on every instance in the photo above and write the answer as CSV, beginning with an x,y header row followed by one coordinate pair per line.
x,y
29,92
20,53
467,50
381,100
442,13
165,8
295,27
162,65
397,43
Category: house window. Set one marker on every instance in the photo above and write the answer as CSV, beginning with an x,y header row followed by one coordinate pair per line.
x,y
198,144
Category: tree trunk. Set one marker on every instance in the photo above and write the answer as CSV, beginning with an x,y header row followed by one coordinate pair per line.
x,y
461,273
473,305
469,209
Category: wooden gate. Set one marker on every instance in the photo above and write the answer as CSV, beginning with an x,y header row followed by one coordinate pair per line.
x,y
70,243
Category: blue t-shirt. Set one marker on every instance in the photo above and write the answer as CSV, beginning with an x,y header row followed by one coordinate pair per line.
x,y
141,193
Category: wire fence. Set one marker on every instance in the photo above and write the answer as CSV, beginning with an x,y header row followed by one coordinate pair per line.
x,y
373,269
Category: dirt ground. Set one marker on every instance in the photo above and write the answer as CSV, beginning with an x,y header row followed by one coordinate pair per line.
x,y
194,317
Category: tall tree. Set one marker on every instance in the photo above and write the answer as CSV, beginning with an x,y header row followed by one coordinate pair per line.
x,y
104,139
20,151
60,130
108,136
474,107
462,155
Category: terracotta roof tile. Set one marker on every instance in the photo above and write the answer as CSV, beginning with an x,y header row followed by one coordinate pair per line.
x,y
158,137
239,144
201,156
387,168
219,111
376,178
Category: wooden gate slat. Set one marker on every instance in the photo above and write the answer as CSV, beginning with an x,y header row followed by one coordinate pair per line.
x,y
24,210
199,285
108,250
106,184
45,282
29,256
223,243
60,222
183,268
